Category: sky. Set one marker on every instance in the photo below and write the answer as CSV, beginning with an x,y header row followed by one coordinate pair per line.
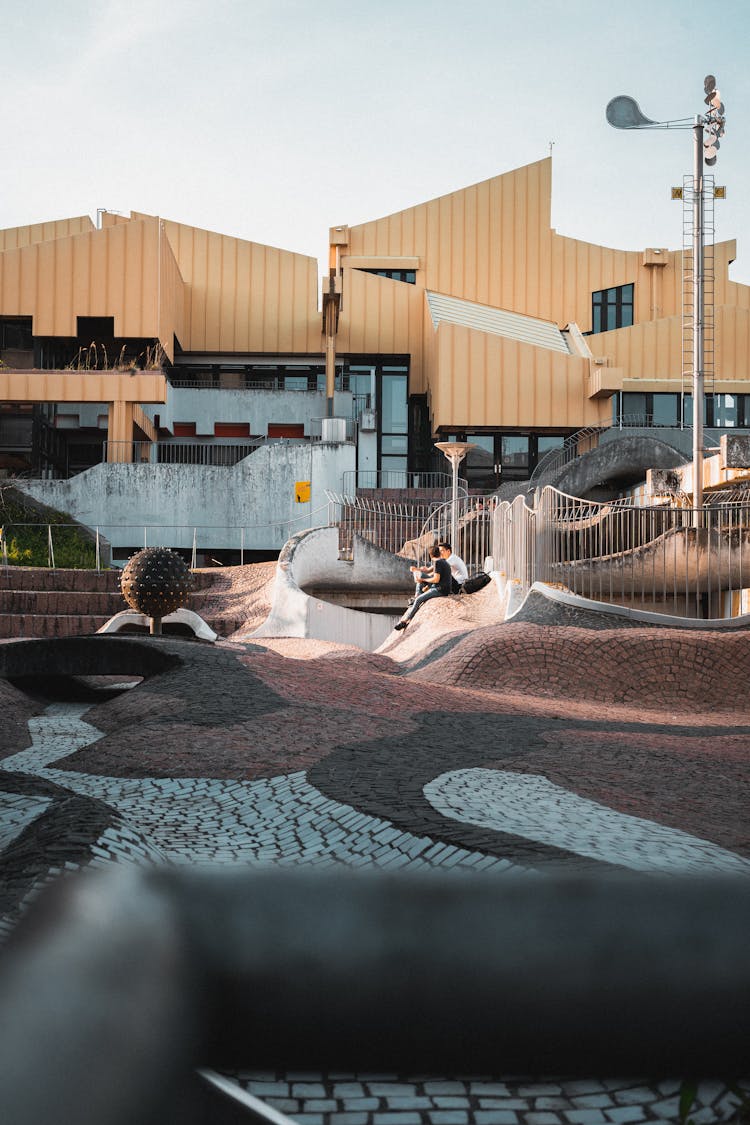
x,y
273,120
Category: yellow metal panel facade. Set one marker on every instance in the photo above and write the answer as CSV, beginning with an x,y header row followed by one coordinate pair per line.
x,y
111,272
507,383
242,296
12,238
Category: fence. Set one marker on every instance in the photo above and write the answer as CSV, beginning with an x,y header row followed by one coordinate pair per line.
x,y
365,479
186,452
72,545
391,525
410,527
669,559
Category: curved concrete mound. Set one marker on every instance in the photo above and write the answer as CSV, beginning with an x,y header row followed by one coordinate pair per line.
x,y
668,668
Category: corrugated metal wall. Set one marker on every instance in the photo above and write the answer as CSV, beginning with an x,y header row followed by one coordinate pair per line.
x,y
244,297
506,383
14,237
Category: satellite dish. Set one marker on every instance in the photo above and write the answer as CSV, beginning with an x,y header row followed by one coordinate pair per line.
x,y
624,113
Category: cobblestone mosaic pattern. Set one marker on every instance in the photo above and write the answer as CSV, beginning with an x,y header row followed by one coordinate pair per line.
x,y
387,1099
239,755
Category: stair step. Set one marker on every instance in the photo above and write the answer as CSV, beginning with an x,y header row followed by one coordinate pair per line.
x,y
70,602
40,602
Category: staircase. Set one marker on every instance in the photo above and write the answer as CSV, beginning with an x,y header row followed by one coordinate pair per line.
x,y
38,602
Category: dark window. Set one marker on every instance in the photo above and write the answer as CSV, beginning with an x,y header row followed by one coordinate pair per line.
x,y
612,308
409,276
95,327
501,456
15,333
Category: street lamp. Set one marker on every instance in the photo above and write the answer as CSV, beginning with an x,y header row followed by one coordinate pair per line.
x,y
455,451
623,112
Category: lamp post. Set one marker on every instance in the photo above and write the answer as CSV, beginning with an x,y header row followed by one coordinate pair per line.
x,y
455,451
623,112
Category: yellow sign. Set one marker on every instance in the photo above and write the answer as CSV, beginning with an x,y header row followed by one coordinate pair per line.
x,y
302,492
676,193
720,191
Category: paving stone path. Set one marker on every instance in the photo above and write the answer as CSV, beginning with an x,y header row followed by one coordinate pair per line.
x,y
236,754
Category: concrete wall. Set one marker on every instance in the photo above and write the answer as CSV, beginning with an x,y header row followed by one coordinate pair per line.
x,y
257,495
256,407
206,406
310,560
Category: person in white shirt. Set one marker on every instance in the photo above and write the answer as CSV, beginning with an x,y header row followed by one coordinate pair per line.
x,y
459,572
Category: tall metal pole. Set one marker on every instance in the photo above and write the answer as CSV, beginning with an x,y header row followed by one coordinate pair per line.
x,y
454,506
698,320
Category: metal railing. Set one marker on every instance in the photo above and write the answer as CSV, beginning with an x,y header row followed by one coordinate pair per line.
x,y
218,453
379,479
95,550
474,524
392,525
668,559
77,546
409,527
241,380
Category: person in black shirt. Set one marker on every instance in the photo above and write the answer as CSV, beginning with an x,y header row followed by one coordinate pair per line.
x,y
438,583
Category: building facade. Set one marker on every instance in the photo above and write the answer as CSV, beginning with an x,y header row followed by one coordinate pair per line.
x,y
145,340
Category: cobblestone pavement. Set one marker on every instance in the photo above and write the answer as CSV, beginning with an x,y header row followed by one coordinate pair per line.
x,y
238,754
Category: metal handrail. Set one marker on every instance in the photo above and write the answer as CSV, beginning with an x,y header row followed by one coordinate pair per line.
x,y
568,452
160,531
355,480
691,563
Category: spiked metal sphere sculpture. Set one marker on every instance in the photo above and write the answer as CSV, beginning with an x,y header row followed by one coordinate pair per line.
x,y
156,582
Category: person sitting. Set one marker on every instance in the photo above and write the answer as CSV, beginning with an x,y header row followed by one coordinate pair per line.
x,y
438,586
459,573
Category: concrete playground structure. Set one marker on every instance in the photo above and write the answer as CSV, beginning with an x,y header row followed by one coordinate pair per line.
x,y
562,744
354,601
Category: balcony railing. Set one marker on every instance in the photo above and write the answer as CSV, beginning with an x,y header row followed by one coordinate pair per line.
x,y
218,453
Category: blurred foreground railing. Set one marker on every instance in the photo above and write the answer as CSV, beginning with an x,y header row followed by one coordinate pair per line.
x,y
117,984
665,558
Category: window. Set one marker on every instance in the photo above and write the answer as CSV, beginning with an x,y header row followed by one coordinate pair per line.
x,y
726,410
409,276
515,452
232,429
666,410
547,444
612,308
95,327
286,429
15,332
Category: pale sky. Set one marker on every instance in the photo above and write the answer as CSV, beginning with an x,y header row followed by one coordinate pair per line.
x,y
273,120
